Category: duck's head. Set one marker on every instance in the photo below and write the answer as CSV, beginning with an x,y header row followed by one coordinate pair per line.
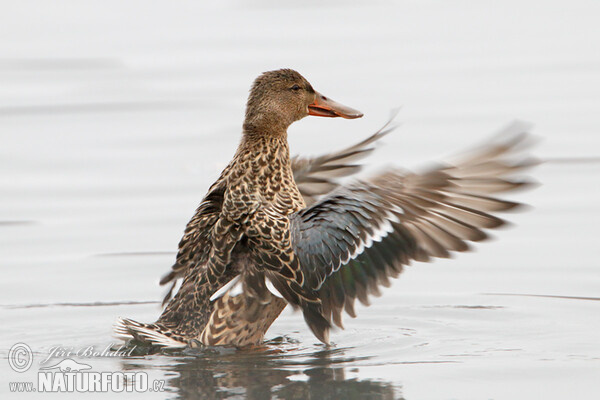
x,y
278,98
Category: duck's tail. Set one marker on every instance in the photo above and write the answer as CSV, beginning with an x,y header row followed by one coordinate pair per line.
x,y
155,335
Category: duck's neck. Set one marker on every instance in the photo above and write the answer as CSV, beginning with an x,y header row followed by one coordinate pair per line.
x,y
263,163
264,154
266,120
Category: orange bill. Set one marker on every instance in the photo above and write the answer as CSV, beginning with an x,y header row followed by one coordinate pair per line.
x,y
325,107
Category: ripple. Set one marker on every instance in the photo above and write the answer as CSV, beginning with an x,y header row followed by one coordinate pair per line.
x,y
550,296
17,223
468,307
91,304
136,254
112,106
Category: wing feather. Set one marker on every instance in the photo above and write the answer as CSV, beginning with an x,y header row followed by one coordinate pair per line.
x,y
194,246
318,176
354,239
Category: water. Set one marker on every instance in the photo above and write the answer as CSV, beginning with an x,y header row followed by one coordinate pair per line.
x,y
115,118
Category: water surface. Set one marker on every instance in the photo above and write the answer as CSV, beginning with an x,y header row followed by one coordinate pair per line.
x,y
115,118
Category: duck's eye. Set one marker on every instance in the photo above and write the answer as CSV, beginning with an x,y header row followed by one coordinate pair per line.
x,y
295,88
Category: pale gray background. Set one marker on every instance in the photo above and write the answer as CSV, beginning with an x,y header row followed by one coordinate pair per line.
x,y
116,116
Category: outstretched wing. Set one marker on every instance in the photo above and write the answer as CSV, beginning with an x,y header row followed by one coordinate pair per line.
x,y
318,176
314,176
194,246
360,235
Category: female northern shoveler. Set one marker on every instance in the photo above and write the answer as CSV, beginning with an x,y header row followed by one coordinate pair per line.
x,y
274,230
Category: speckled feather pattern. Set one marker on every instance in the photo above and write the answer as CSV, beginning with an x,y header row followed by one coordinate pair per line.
x,y
260,194
350,240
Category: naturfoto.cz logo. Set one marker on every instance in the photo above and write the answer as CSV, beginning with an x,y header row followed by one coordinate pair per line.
x,y
69,375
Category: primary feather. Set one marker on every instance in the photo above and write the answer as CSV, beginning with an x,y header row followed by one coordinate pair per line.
x,y
274,230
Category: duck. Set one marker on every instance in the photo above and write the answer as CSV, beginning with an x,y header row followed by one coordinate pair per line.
x,y
274,231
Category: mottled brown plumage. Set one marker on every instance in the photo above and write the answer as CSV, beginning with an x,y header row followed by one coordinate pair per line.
x,y
274,231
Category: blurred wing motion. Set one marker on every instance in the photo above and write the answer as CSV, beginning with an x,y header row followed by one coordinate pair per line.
x,y
318,176
195,245
358,236
315,177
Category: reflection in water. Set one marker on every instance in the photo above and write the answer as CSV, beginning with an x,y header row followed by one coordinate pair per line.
x,y
283,371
